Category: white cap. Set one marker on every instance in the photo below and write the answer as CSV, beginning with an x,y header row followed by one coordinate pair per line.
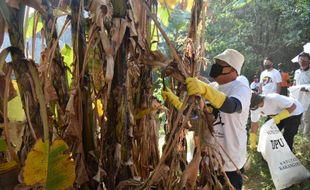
x,y
233,58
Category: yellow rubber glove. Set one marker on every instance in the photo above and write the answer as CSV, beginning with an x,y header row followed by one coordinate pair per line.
x,y
280,116
172,98
195,86
253,138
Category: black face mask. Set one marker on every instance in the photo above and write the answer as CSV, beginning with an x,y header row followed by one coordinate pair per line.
x,y
216,70
267,66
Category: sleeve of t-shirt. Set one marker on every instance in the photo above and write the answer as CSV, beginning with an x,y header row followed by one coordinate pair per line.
x,y
282,102
255,115
296,74
261,77
243,94
252,86
278,77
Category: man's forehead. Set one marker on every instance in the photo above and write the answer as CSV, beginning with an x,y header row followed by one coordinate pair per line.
x,y
303,58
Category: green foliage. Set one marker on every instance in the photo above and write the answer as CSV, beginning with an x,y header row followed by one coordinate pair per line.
x,y
175,24
259,29
49,165
163,14
67,53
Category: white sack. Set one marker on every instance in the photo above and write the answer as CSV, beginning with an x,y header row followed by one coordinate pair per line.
x,y
284,167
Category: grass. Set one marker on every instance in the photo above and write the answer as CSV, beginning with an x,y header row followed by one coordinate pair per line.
x,y
258,175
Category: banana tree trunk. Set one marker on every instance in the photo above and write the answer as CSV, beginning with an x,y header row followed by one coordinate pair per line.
x,y
79,46
14,18
118,140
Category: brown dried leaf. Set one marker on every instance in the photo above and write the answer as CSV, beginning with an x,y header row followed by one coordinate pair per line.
x,y
133,32
161,174
190,174
118,32
101,11
70,105
118,154
136,10
12,90
13,3
96,4
207,187
49,91
36,4
81,172
105,41
133,43
110,69
156,63
9,179
174,73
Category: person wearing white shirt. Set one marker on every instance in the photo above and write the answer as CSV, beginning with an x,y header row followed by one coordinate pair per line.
x,y
286,113
232,100
255,84
302,77
270,78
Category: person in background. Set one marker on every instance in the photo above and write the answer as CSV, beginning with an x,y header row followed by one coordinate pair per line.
x,y
302,77
232,100
286,113
270,79
255,83
285,80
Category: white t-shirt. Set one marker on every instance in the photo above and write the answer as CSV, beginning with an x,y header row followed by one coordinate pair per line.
x,y
230,128
254,86
269,81
243,79
302,77
275,103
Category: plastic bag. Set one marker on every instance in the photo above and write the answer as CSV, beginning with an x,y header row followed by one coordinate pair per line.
x,y
284,166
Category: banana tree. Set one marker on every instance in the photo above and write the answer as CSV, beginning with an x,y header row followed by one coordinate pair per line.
x,y
102,127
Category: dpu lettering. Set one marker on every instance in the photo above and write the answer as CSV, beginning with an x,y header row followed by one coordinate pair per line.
x,y
276,143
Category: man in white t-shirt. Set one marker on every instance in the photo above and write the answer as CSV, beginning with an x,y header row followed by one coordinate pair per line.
x,y
255,84
302,77
232,99
270,78
285,111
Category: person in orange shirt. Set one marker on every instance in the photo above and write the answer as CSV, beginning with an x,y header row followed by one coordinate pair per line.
x,y
285,80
